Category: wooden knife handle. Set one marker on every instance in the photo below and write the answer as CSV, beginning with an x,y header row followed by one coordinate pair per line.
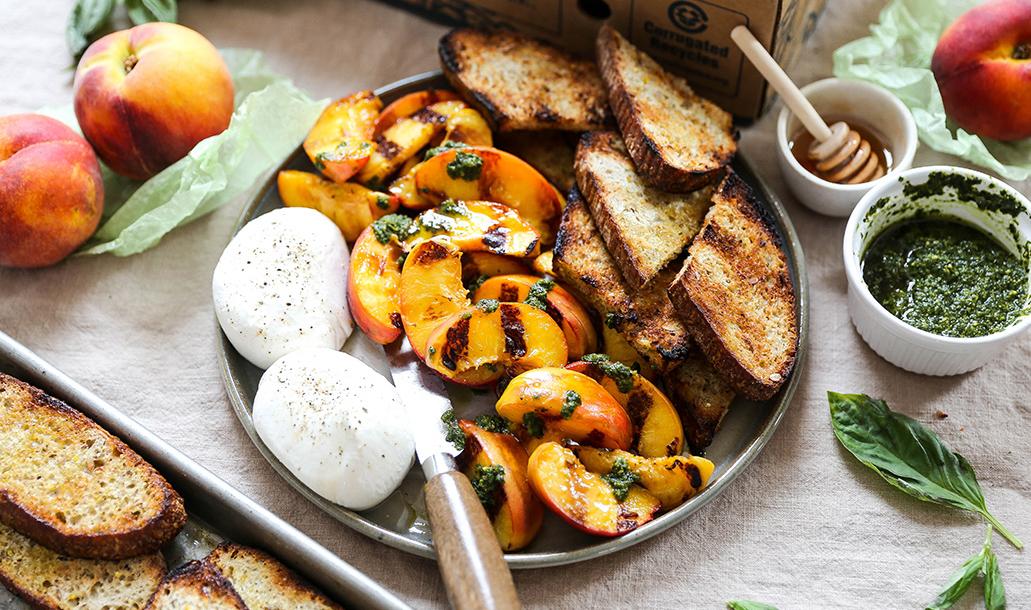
x,y
475,573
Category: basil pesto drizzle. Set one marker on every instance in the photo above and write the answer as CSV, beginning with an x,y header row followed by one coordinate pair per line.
x,y
946,277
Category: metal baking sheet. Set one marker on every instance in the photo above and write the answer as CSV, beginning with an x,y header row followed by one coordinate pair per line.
x,y
217,510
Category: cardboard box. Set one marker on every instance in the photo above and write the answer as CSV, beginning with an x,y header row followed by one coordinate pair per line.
x,y
689,37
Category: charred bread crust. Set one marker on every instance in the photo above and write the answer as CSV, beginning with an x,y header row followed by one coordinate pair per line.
x,y
202,579
658,165
556,89
28,515
759,301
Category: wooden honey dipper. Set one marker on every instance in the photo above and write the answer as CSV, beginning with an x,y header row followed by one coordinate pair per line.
x,y
841,154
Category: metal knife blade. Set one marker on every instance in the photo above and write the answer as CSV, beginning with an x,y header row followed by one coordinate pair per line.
x,y
425,399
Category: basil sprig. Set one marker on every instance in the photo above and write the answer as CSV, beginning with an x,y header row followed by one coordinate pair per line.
x,y
744,604
908,456
89,18
985,564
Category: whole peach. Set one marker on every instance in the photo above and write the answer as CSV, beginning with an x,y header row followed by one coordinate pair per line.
x,y
144,97
983,67
51,193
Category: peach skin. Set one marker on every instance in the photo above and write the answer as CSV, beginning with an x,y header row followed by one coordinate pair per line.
x,y
144,97
51,193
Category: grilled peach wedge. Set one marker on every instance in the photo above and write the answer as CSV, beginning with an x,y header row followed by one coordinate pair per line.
x,y
673,480
618,349
514,510
583,498
477,225
351,206
403,140
566,404
407,105
483,173
480,344
658,431
477,266
340,143
372,287
430,290
572,318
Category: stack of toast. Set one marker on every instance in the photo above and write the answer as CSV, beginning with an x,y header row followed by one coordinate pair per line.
x,y
672,249
83,519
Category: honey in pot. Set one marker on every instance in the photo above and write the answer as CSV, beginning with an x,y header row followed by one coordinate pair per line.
x,y
802,140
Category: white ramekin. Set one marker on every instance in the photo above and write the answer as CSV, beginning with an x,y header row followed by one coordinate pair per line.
x,y
871,106
903,345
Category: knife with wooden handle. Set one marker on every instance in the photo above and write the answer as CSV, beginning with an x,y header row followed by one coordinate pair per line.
x,y
470,561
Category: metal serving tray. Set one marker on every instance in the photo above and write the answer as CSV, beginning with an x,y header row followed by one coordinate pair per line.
x,y
217,510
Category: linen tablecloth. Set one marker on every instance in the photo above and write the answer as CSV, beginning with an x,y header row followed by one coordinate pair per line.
x,y
806,526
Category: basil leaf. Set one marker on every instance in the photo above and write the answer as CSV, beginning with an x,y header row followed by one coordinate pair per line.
x,y
86,18
907,455
959,582
744,604
994,592
145,11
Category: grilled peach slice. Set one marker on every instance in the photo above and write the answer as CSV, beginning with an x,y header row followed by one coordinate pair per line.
x,y
658,431
477,225
542,264
569,404
581,338
430,290
407,105
351,206
483,173
478,345
340,143
372,287
477,266
619,350
673,480
583,498
402,140
468,127
514,510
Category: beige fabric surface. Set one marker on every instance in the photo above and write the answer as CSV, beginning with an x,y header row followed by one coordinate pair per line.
x,y
806,526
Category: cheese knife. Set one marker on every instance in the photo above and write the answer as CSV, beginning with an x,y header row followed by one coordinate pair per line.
x,y
470,561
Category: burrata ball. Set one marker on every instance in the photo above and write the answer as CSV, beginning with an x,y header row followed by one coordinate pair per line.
x,y
336,424
281,285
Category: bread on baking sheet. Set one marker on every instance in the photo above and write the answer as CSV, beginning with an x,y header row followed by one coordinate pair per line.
x,y
521,83
195,585
678,141
71,486
264,583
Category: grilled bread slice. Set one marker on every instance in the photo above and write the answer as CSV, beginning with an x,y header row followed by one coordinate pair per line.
x,y
702,396
195,585
48,580
262,582
646,319
644,228
735,293
72,487
520,83
678,140
549,152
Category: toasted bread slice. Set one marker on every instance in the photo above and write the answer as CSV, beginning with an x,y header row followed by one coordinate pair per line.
x,y
646,319
735,293
262,582
644,228
195,585
72,487
549,152
678,140
48,580
520,83
702,396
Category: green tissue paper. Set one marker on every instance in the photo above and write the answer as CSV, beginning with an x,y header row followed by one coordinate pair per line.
x,y
897,56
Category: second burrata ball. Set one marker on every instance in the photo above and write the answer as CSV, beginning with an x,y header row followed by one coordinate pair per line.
x,y
281,285
336,424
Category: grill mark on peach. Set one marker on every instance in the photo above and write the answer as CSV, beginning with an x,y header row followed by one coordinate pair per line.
x,y
431,253
577,492
637,406
695,474
429,117
495,238
387,148
594,437
395,320
509,293
627,520
515,332
671,448
456,344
